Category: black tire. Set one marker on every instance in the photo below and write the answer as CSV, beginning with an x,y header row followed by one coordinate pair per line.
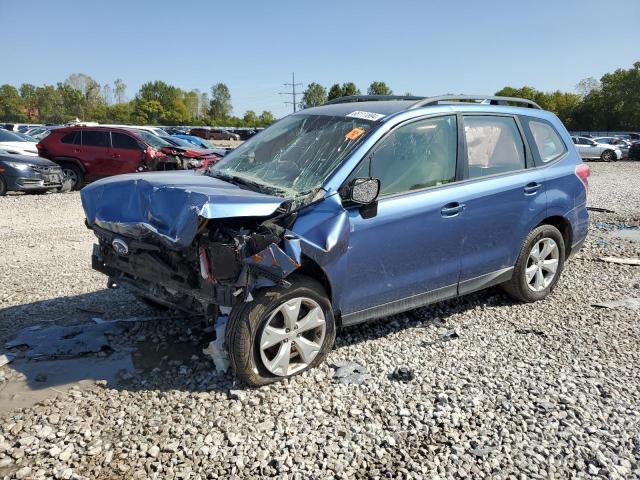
x,y
608,156
247,321
3,187
71,171
518,287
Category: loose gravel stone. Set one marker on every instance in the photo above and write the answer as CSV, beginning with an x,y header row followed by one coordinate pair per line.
x,y
500,400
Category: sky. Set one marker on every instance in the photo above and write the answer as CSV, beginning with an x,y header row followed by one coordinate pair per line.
x,y
423,47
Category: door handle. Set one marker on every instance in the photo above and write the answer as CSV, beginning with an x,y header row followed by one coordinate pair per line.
x,y
532,188
452,209
116,155
76,150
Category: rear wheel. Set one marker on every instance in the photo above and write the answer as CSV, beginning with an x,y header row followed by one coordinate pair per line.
x,y
539,265
608,156
73,176
3,187
282,332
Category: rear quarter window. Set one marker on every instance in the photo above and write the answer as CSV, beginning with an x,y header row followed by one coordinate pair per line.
x,y
72,138
546,140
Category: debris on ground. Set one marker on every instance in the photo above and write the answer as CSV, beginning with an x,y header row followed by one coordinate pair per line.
x,y
449,335
632,303
635,261
600,209
216,348
6,358
64,341
530,331
402,374
350,373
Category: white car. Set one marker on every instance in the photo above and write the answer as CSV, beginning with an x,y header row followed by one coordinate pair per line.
x,y
615,142
589,149
12,143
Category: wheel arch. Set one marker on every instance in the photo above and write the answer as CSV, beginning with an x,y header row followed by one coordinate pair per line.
x,y
74,161
564,226
312,269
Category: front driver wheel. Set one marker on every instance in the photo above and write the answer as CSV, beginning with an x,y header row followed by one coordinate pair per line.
x,y
539,265
282,332
3,187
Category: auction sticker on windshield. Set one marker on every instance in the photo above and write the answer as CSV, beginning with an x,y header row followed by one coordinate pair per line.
x,y
365,115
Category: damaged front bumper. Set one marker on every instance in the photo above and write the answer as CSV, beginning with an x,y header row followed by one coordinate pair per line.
x,y
199,279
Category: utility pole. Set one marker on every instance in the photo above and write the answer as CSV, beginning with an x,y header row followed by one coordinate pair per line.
x,y
293,93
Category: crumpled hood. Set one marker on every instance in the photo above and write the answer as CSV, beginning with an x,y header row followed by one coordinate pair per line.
x,y
169,204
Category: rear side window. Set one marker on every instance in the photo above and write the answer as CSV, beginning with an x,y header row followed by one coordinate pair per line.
x,y
549,144
120,140
95,139
494,145
72,137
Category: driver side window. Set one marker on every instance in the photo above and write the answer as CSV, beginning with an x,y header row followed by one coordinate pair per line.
x,y
418,155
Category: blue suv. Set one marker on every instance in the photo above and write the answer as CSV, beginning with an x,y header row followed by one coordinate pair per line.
x,y
354,210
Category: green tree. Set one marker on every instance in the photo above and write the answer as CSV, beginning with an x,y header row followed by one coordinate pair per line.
x,y
147,111
266,118
335,92
90,94
349,88
314,95
220,107
250,118
119,91
30,101
50,105
379,88
11,104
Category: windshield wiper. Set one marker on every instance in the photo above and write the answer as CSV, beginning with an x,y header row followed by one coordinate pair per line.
x,y
255,186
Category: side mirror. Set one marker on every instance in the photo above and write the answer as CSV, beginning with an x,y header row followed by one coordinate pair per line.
x,y
363,190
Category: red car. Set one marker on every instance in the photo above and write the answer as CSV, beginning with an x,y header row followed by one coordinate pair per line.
x,y
89,153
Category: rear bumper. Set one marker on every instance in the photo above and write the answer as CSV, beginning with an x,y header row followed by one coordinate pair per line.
x,y
579,219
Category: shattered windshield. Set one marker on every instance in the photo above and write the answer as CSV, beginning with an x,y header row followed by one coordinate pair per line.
x,y
296,155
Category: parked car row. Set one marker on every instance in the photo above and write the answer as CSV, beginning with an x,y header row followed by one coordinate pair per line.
x,y
607,149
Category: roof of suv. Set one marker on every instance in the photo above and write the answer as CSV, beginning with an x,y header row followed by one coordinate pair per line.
x,y
389,104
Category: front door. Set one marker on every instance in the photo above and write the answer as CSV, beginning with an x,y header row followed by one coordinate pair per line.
x,y
126,153
96,153
411,245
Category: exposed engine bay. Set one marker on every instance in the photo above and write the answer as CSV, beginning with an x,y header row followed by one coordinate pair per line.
x,y
227,260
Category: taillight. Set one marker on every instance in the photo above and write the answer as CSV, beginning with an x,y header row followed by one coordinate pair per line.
x,y
582,172
205,269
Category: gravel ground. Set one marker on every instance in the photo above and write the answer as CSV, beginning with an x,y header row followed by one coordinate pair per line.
x,y
499,389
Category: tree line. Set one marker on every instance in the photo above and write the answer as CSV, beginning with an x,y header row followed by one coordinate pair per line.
x,y
611,103
156,103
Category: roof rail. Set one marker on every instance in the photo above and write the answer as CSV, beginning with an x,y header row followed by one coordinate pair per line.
x,y
371,98
484,99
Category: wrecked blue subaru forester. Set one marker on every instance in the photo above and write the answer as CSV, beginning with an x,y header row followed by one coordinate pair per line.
x,y
354,210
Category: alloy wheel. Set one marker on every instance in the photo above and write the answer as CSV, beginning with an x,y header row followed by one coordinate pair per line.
x,y
292,336
70,175
542,264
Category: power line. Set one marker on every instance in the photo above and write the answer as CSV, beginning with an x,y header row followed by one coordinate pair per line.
x,y
293,93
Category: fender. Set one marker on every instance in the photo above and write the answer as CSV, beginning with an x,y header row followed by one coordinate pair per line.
x,y
75,161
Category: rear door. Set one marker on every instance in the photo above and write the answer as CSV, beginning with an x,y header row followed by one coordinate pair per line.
x,y
126,153
503,196
96,153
